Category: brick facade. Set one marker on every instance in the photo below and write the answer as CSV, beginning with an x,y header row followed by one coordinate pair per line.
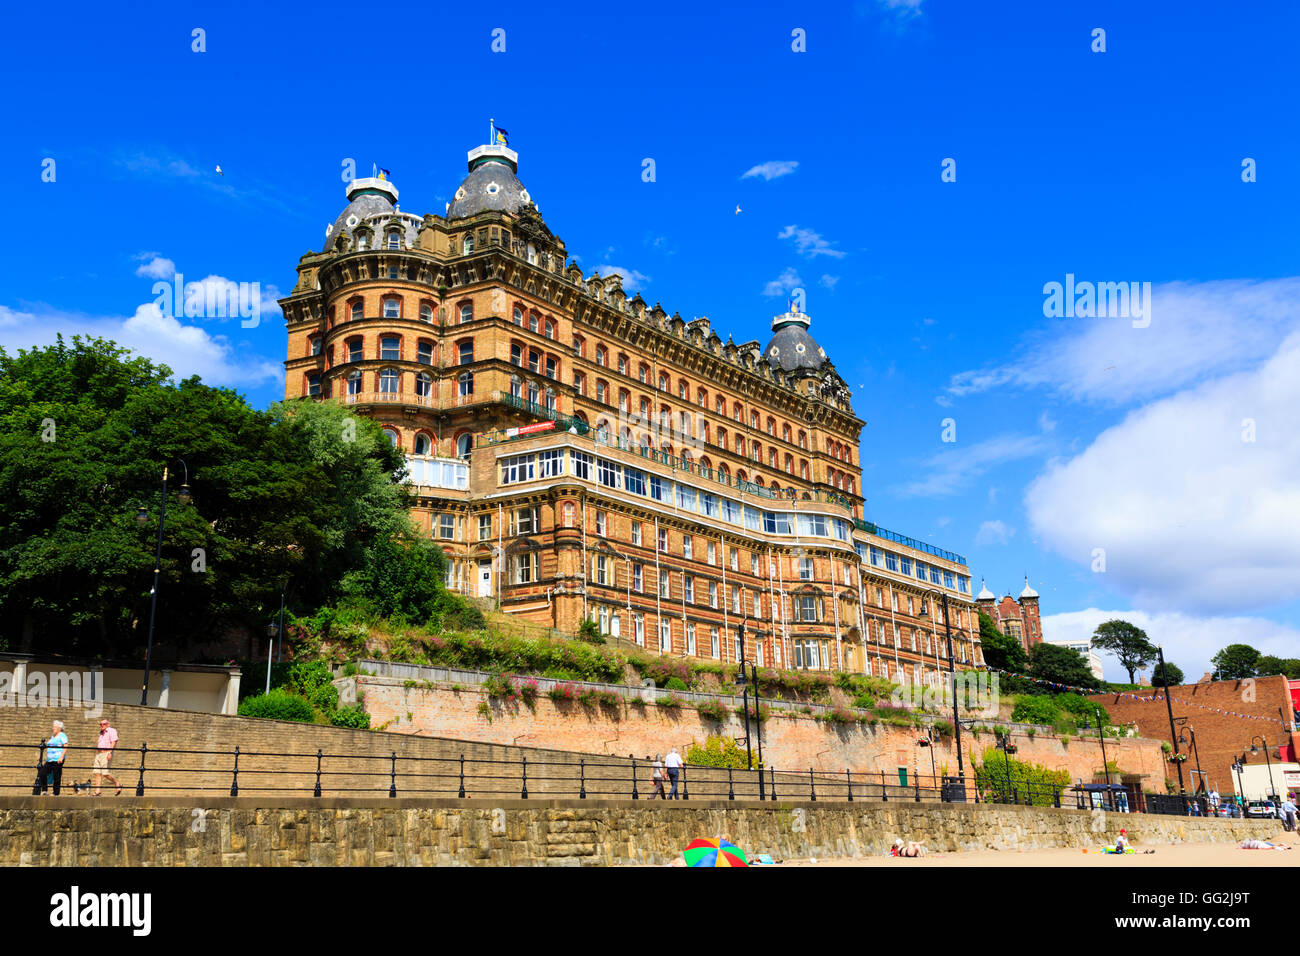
x,y
555,428
1220,736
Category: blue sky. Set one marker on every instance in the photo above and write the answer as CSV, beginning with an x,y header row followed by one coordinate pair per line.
x,y
1072,434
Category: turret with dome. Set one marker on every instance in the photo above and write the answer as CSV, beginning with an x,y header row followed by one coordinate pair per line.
x,y
1015,618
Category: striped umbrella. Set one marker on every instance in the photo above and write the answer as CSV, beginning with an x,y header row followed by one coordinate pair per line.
x,y
714,851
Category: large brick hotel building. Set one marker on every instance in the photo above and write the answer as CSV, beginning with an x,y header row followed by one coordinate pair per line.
x,y
579,453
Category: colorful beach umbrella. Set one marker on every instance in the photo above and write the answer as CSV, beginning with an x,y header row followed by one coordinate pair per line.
x,y
714,851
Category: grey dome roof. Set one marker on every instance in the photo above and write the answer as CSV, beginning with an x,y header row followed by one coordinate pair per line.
x,y
369,197
792,348
491,185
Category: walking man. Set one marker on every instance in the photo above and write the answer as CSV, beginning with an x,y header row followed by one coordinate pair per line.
x,y
104,756
56,749
658,778
673,763
1288,813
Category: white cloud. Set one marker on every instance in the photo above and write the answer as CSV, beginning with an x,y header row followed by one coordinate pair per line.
x,y
809,243
186,349
1197,330
773,169
633,281
993,532
155,266
1188,641
957,465
1191,515
1046,422
785,282
829,282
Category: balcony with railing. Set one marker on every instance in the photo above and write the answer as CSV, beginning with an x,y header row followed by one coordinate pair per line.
x,y
871,527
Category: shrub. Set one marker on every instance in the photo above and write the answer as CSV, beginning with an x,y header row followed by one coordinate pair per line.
x,y
944,728
588,631
718,752
670,702
495,685
353,717
992,777
676,683
761,714
713,710
837,716
894,716
1035,710
562,692
279,704
528,691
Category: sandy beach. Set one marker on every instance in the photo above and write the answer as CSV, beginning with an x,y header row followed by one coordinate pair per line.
x,y
1182,854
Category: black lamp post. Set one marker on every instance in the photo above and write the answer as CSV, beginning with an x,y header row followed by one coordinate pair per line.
x,y
1196,751
1272,789
1007,748
1173,736
952,666
925,742
740,679
142,518
1237,766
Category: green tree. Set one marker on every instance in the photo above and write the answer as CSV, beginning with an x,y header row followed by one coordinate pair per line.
x,y
1004,653
1235,662
1061,665
1174,672
1128,642
1268,665
301,496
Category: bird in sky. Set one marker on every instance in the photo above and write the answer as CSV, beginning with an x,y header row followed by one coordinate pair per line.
x,y
737,210
219,172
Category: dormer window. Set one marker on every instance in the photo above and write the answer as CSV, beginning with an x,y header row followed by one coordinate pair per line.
x,y
532,254
361,241
394,239
468,245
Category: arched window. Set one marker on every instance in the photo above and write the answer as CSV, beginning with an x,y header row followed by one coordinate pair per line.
x,y
579,346
720,405
532,391
516,354
516,387
466,312
602,430
771,427
740,443
518,316
464,444
757,452
722,438
789,465
754,421
803,469
739,414
622,365
394,239
742,475
393,438
663,382
468,245
683,390
422,444
602,356
426,312
724,472
803,440
552,367
702,398
785,433
643,373
424,384
388,381
354,383
357,311
624,401
465,384
771,457
549,329
532,321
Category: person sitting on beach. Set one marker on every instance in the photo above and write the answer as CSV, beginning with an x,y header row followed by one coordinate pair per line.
x,y
1121,842
911,849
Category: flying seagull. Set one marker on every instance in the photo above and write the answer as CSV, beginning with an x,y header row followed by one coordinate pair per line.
x,y
219,172
737,210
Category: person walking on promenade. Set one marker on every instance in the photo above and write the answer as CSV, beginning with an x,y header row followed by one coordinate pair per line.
x,y
56,749
1288,813
104,757
673,762
658,778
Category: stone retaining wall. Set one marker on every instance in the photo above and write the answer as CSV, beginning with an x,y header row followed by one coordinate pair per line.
x,y
245,831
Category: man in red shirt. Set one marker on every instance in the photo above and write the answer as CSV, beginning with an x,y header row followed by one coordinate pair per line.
x,y
104,756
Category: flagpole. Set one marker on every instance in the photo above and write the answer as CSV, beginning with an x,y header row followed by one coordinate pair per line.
x,y
492,131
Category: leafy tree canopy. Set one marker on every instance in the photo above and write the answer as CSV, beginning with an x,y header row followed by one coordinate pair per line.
x,y
1004,653
1235,662
1061,665
1128,642
1268,665
302,495
1174,672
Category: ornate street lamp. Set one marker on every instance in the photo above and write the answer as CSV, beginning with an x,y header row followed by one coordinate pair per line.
x,y
142,518
952,667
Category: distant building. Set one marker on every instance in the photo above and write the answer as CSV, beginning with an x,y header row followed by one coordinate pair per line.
x,y
1084,647
1018,619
